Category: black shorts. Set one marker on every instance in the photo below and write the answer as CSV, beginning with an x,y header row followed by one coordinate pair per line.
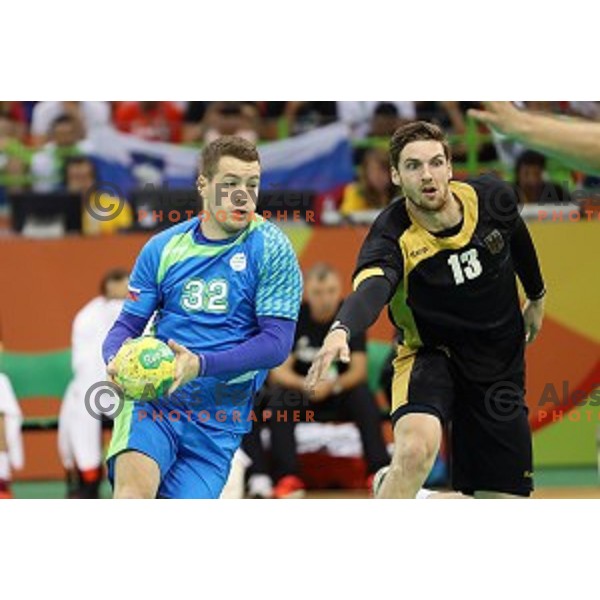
x,y
490,437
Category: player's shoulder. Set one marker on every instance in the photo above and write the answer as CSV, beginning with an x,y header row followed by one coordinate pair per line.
x,y
159,240
490,188
496,197
271,235
392,220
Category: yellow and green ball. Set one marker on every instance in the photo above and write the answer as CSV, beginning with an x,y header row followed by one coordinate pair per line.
x,y
145,368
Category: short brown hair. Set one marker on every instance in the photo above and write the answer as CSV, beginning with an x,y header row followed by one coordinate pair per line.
x,y
228,145
415,132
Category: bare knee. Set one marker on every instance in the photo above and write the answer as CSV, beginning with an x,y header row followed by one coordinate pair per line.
x,y
413,456
137,476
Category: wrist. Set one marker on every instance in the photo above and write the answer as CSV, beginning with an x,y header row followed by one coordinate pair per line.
x,y
538,298
339,326
201,364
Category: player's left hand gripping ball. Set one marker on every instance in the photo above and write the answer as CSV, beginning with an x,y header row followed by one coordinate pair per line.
x,y
144,368
187,365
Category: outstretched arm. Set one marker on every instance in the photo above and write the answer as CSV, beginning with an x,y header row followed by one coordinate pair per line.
x,y
359,311
576,142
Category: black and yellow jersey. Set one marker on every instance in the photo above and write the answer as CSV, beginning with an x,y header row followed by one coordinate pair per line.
x,y
455,290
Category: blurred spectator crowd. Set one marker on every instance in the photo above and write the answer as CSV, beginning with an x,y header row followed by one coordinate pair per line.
x,y
43,144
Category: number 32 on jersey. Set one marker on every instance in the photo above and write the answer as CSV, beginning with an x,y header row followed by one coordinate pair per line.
x,y
465,266
206,296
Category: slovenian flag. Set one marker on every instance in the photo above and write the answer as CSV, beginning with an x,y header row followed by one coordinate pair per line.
x,y
320,161
133,294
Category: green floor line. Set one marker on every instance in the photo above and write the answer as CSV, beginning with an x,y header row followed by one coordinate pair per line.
x,y
545,478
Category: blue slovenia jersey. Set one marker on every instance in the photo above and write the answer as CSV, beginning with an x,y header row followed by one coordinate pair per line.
x,y
208,296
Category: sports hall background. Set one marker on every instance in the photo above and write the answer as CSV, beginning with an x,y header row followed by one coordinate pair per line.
x,y
43,283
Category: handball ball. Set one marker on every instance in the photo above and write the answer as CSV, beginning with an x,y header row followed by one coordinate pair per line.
x,y
145,368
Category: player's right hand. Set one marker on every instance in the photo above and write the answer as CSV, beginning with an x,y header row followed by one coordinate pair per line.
x,y
335,347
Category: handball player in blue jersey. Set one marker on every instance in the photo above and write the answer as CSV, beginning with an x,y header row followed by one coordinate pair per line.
x,y
225,288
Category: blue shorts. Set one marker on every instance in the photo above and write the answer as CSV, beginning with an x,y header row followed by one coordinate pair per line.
x,y
194,457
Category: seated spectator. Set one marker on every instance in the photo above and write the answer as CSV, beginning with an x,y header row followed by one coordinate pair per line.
x,y
306,115
230,118
358,115
451,116
345,396
152,121
272,123
532,184
80,178
385,120
86,116
47,164
374,188
193,121
14,157
16,112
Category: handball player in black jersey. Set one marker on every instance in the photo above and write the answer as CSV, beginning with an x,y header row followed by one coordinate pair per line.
x,y
444,259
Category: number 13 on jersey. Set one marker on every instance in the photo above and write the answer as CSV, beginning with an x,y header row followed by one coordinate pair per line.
x,y
465,266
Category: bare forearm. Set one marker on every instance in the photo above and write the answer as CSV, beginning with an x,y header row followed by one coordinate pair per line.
x,y
575,142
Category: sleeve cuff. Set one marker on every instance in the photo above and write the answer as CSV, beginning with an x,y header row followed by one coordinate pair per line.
x,y
538,296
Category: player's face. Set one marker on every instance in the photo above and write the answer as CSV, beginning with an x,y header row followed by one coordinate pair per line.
x,y
230,197
324,295
424,173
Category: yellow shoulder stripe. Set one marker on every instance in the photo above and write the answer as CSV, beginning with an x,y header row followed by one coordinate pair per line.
x,y
365,274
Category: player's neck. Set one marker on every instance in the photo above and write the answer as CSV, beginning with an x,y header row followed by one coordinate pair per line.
x,y
213,232
450,215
